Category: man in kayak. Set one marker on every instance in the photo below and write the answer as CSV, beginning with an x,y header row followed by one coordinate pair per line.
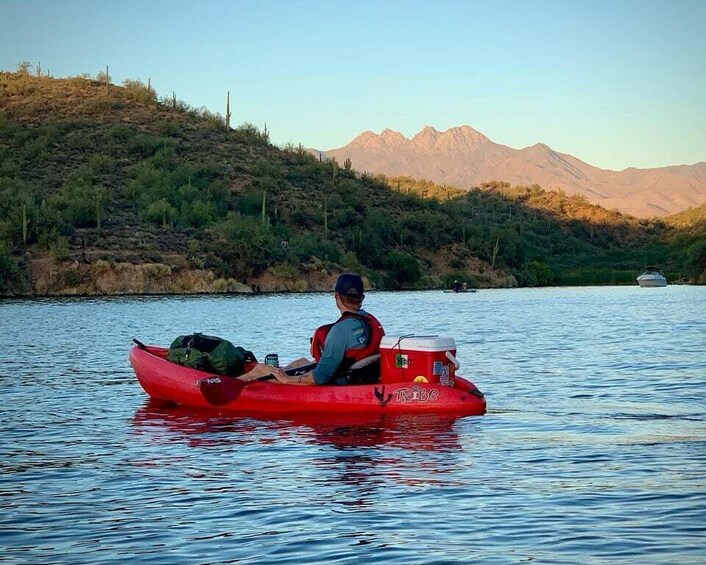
x,y
354,336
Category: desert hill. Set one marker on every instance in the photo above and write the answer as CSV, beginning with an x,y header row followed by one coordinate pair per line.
x,y
108,189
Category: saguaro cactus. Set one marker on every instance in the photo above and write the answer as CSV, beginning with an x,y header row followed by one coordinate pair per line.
x,y
495,252
25,224
325,218
99,207
228,111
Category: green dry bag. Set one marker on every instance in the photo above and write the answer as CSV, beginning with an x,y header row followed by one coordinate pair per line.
x,y
210,354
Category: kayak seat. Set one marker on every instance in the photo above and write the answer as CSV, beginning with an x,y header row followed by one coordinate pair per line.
x,y
365,371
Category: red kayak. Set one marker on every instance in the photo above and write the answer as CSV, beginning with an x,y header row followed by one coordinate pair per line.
x,y
164,380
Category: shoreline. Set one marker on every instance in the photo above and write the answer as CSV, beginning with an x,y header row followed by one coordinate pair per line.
x,y
4,297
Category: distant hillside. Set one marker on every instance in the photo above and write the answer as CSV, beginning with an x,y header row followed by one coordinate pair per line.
x,y
108,189
465,158
692,218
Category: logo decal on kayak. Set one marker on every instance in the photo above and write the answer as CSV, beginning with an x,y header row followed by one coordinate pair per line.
x,y
416,394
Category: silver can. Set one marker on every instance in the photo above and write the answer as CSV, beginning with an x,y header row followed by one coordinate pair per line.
x,y
272,359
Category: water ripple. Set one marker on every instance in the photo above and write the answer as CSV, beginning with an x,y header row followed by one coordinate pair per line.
x,y
592,450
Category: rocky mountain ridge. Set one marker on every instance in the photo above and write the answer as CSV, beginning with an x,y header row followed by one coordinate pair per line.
x,y
464,157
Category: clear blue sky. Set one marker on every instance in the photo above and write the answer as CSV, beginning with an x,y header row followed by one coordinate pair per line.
x,y
616,83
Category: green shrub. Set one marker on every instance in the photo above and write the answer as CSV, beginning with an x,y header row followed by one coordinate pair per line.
x,y
75,202
138,91
302,248
160,212
196,214
403,269
244,245
143,145
60,249
536,273
12,279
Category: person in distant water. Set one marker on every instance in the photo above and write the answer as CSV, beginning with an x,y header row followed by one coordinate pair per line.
x,y
456,287
356,335
464,286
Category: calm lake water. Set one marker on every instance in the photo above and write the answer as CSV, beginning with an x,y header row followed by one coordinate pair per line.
x,y
593,449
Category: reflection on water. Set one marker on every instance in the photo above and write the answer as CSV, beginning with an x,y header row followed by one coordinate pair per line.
x,y
369,452
167,422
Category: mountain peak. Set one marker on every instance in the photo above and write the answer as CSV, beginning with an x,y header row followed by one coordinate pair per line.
x,y
369,140
542,146
392,137
457,139
427,136
463,136
364,136
538,149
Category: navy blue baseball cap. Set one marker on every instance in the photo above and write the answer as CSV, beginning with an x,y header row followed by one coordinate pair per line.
x,y
350,285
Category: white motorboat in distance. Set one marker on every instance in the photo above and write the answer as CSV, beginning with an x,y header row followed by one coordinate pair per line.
x,y
652,277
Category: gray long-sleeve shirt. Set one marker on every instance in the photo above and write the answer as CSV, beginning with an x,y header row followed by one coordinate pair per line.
x,y
349,333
